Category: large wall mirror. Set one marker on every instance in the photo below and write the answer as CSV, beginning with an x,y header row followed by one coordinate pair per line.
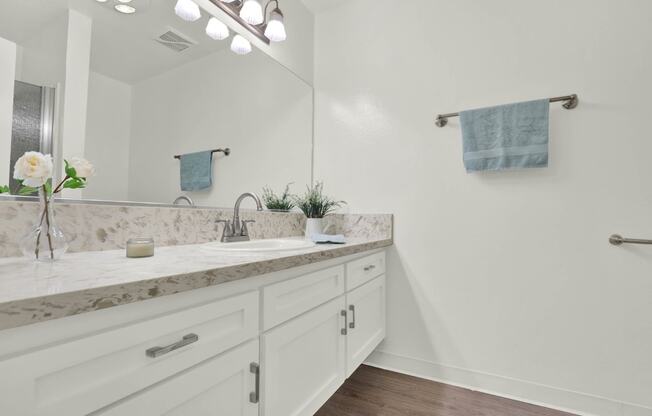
x,y
129,92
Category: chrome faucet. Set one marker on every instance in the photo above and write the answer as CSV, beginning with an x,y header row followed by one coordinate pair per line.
x,y
236,230
183,198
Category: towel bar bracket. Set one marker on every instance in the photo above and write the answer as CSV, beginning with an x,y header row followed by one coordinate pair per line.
x,y
570,102
226,152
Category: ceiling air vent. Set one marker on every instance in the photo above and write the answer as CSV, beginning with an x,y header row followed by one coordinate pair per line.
x,y
175,40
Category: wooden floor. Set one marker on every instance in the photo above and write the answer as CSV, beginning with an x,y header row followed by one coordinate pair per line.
x,y
374,392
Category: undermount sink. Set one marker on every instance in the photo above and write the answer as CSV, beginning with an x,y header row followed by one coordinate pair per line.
x,y
259,246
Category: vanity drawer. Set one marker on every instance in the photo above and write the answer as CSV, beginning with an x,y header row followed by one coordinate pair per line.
x,y
285,300
359,272
78,377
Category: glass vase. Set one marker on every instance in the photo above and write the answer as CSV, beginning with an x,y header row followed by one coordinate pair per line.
x,y
45,241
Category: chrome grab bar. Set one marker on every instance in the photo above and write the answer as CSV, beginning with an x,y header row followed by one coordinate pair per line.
x,y
155,352
618,240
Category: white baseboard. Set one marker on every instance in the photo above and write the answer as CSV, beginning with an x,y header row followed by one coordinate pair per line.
x,y
552,397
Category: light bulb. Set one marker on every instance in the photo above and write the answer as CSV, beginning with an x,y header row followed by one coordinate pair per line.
x,y
123,8
275,30
216,30
187,10
240,45
252,12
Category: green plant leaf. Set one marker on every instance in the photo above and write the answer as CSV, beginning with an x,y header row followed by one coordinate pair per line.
x,y
272,201
4,189
27,190
70,171
315,204
74,183
48,187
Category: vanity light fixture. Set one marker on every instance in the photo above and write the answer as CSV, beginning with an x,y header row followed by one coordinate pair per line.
x,y
252,12
216,30
240,45
124,8
187,10
275,30
270,26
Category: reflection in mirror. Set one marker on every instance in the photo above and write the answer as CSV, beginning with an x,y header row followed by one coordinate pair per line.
x,y
130,91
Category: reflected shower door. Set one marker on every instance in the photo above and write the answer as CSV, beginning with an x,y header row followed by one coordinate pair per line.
x,y
32,123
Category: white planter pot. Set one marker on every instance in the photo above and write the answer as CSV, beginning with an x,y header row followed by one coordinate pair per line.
x,y
314,226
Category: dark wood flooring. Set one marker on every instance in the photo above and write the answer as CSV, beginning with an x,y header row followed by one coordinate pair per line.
x,y
374,392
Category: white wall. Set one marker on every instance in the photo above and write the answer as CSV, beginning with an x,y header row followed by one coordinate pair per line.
x,y
7,77
108,130
78,58
502,281
251,104
296,53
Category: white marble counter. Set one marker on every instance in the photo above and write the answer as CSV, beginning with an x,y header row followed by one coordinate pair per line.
x,y
82,282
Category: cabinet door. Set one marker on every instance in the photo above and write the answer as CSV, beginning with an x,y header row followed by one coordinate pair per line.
x,y
304,361
218,387
366,326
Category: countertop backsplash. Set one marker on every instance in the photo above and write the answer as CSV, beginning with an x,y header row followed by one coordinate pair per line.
x,y
95,227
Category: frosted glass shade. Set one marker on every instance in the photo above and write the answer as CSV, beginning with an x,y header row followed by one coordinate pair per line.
x,y
252,12
275,30
216,29
240,45
187,10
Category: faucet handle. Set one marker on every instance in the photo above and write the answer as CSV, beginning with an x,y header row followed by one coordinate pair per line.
x,y
244,230
227,226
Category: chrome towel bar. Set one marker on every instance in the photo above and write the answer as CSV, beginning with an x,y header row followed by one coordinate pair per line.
x,y
571,102
618,240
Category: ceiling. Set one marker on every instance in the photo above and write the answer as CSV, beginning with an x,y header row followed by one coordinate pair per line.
x,y
317,6
123,46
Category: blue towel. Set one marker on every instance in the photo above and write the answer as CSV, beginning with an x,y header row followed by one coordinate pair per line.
x,y
325,238
509,136
196,171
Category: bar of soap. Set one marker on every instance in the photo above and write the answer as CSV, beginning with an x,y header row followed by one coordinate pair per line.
x,y
140,247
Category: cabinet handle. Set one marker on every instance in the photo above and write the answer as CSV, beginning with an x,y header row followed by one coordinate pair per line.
x,y
352,309
344,331
155,352
370,267
254,397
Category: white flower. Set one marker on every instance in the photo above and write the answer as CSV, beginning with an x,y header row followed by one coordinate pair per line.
x,y
83,167
33,168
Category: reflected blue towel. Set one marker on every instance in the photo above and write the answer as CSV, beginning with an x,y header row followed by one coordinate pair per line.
x,y
196,171
326,238
509,136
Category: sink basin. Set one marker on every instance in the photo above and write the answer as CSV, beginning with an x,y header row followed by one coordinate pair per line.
x,y
261,246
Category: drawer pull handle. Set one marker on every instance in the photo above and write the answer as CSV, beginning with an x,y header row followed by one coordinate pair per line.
x,y
344,330
155,352
254,397
352,324
370,267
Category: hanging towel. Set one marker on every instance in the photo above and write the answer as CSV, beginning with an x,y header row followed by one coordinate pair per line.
x,y
512,136
196,171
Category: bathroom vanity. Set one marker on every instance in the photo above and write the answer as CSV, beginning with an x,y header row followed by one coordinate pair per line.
x,y
258,334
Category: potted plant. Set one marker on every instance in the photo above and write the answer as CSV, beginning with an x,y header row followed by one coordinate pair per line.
x,y
45,241
283,203
315,205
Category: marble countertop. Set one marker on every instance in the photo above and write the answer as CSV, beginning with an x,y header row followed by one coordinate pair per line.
x,y
32,292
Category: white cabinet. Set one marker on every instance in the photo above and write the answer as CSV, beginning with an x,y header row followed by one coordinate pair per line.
x,y
224,385
192,353
285,300
366,321
304,361
87,373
